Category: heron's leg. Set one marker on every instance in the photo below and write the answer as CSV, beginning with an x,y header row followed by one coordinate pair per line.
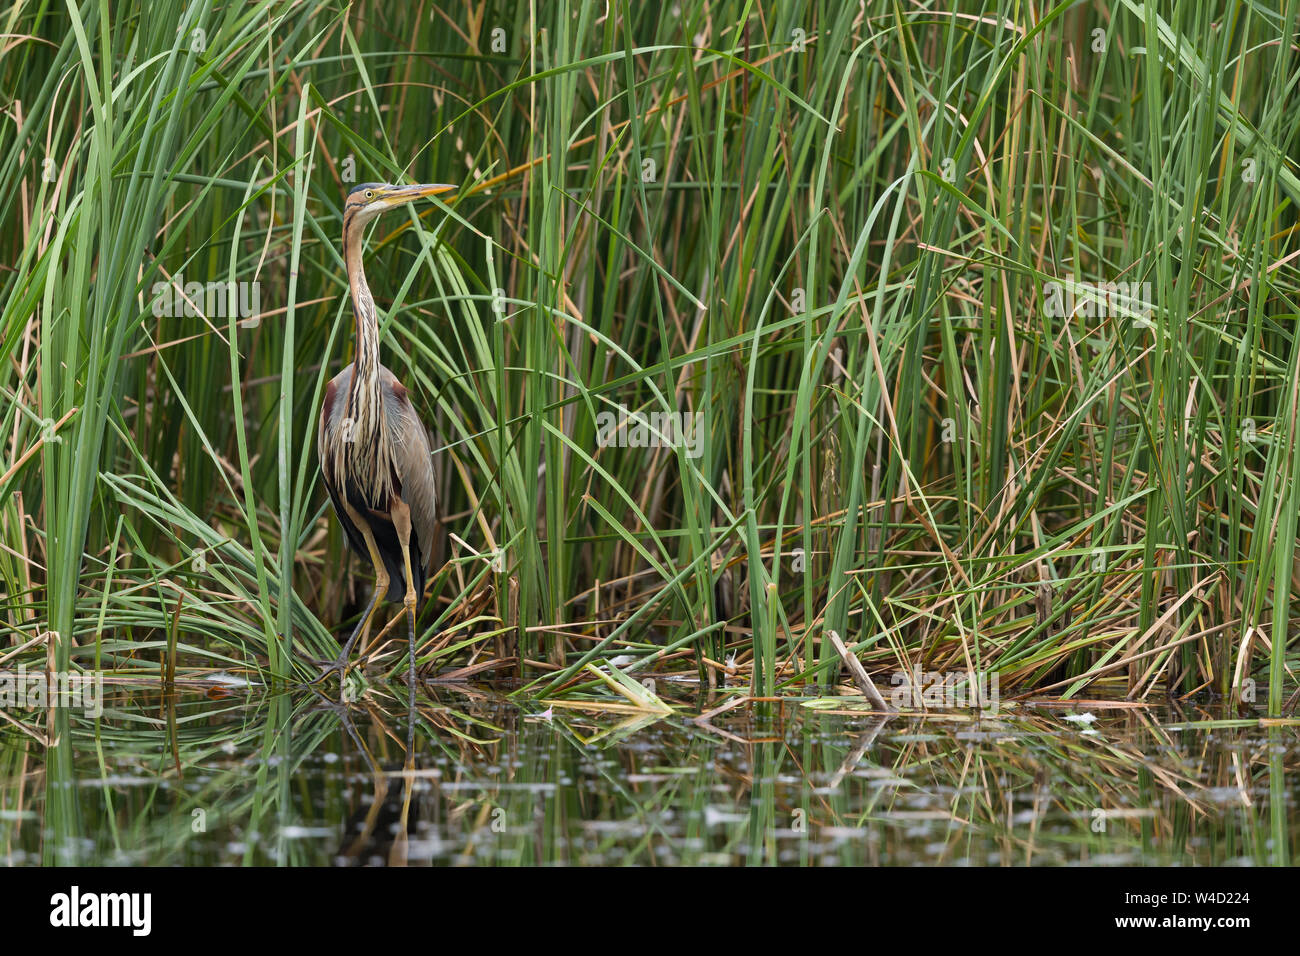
x,y
364,645
401,515
340,664
381,588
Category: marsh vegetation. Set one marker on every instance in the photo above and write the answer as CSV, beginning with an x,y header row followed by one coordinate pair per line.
x,y
967,336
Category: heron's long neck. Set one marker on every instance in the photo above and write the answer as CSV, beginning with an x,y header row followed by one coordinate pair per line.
x,y
369,441
365,371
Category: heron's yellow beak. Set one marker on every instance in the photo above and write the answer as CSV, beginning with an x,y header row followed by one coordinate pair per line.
x,y
398,195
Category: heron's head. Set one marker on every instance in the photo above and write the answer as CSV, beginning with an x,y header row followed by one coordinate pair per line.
x,y
368,200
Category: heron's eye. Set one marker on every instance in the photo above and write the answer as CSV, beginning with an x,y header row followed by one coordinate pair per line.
x,y
370,194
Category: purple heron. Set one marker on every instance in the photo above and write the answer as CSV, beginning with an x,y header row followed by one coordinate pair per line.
x,y
374,450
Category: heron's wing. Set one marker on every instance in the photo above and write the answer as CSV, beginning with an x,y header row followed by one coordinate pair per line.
x,y
413,462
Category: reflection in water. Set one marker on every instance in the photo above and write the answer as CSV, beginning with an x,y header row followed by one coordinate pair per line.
x,y
379,831
465,776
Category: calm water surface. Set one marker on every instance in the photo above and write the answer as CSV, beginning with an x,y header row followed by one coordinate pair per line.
x,y
291,779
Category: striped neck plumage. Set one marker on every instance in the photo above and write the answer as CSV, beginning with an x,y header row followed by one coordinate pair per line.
x,y
365,373
365,401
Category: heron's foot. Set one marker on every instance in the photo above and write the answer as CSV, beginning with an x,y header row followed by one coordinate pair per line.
x,y
339,667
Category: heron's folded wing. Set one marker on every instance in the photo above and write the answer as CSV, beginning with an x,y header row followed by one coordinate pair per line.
x,y
413,461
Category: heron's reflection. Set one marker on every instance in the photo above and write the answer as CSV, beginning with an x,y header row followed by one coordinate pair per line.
x,y
378,833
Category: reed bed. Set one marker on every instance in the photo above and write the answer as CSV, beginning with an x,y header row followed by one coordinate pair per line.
x,y
983,321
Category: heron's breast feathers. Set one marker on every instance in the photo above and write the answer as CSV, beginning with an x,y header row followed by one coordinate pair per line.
x,y
374,443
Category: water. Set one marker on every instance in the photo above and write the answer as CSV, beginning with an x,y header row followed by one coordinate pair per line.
x,y
271,779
